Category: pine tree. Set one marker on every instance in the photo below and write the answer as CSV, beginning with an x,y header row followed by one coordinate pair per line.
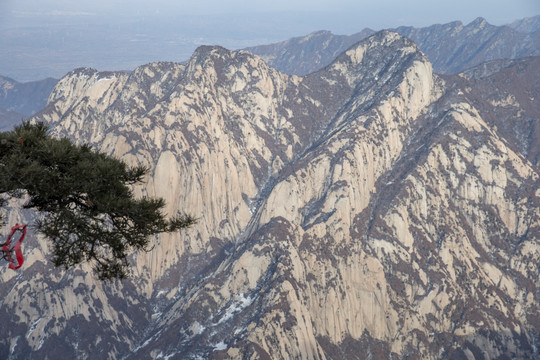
x,y
89,210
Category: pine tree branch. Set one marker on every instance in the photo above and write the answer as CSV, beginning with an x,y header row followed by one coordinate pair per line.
x,y
90,210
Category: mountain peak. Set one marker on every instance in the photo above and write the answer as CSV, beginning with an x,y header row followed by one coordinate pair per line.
x,y
82,72
205,50
316,34
216,55
381,55
386,41
478,22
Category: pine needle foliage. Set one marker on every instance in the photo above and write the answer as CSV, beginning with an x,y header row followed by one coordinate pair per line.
x,y
89,210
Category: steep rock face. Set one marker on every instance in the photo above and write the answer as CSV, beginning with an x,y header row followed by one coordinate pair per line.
x,y
366,210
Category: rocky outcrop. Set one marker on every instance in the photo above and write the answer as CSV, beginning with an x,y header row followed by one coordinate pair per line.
x,y
366,210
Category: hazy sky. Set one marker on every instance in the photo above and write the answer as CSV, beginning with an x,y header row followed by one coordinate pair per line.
x,y
372,13
40,38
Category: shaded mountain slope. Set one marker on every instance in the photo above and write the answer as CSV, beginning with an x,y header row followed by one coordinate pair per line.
x,y
526,25
451,47
455,47
9,118
509,90
25,98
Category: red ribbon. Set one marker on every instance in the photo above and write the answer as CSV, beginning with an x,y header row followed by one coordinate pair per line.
x,y
17,247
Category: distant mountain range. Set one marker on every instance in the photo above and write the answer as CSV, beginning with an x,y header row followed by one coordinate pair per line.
x,y
527,25
20,100
507,93
25,98
9,118
451,48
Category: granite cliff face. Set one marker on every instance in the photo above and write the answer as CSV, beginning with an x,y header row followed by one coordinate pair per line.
x,y
367,210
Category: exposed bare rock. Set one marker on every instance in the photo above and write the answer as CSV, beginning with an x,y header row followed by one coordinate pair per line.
x,y
367,210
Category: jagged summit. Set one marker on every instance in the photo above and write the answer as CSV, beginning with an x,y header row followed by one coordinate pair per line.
x,y
219,60
368,208
479,23
208,50
386,47
82,71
